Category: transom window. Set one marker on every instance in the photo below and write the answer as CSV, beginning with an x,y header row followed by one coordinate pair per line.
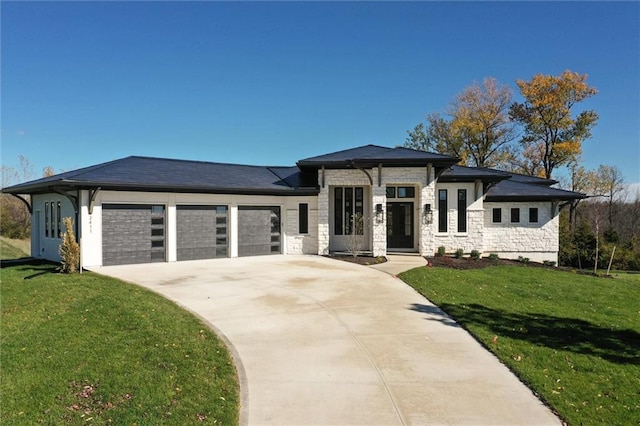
x,y
401,192
348,206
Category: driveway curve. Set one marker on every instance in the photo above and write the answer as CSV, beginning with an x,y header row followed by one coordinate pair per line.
x,y
326,342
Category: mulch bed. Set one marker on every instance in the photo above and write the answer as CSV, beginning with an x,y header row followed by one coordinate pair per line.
x,y
360,260
468,263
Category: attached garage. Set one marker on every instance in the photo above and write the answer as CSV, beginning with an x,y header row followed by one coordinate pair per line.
x,y
133,233
259,230
202,232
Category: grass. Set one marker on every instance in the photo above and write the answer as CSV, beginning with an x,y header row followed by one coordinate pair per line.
x,y
14,249
87,349
574,339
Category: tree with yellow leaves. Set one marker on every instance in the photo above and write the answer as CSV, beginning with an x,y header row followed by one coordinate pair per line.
x,y
479,129
552,135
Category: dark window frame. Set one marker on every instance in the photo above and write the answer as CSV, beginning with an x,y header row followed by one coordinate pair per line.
x,y
443,208
347,202
59,219
303,218
533,215
46,219
515,215
462,210
496,215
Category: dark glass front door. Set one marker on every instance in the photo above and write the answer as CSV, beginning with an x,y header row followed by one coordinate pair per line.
x,y
400,225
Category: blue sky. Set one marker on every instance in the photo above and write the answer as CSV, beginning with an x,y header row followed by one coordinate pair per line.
x,y
271,83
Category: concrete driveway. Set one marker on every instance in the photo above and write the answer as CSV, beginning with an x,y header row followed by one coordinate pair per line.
x,y
325,342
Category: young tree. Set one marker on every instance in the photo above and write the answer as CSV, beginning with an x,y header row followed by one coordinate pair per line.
x,y
611,184
546,115
69,249
479,128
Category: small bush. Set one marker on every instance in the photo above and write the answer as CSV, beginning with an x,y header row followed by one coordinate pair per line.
x,y
69,249
524,260
493,256
459,253
549,263
475,255
441,251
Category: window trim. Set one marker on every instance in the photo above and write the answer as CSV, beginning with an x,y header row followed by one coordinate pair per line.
x,y
443,217
515,214
497,210
303,218
462,211
537,218
350,203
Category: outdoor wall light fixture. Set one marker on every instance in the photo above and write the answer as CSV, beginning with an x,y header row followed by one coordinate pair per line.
x,y
428,214
379,213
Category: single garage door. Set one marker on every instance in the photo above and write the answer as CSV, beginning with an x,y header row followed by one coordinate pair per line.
x,y
258,230
133,233
202,232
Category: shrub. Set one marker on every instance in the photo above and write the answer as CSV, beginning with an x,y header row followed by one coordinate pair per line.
x,y
459,253
524,260
69,249
549,263
475,254
441,251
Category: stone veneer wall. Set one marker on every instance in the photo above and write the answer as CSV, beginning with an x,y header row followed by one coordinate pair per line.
x,y
297,243
537,241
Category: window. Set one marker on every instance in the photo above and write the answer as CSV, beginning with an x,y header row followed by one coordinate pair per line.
x,y
46,219
53,218
303,218
533,214
59,215
462,210
442,210
497,215
515,215
391,192
401,192
347,202
406,192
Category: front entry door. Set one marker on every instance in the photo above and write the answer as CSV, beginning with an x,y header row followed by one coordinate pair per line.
x,y
400,225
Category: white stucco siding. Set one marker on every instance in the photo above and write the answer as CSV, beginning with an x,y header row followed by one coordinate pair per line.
x,y
537,241
45,245
292,241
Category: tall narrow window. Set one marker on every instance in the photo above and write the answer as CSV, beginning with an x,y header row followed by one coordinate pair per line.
x,y
442,210
348,202
46,219
515,215
53,219
303,218
337,211
533,214
462,210
497,215
59,216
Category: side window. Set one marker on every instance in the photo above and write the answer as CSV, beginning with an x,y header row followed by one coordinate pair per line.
x,y
462,210
515,215
442,210
533,215
59,217
497,215
46,219
303,218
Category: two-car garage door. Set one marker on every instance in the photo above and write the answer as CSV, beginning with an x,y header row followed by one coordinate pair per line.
x,y
137,233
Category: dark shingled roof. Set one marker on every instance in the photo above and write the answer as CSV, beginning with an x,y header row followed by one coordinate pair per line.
x,y
513,190
469,174
372,155
160,174
166,175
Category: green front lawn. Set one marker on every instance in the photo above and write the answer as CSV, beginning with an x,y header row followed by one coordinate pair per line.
x,y
86,349
574,339
14,249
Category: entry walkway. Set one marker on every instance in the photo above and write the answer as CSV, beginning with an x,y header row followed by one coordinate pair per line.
x,y
319,341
